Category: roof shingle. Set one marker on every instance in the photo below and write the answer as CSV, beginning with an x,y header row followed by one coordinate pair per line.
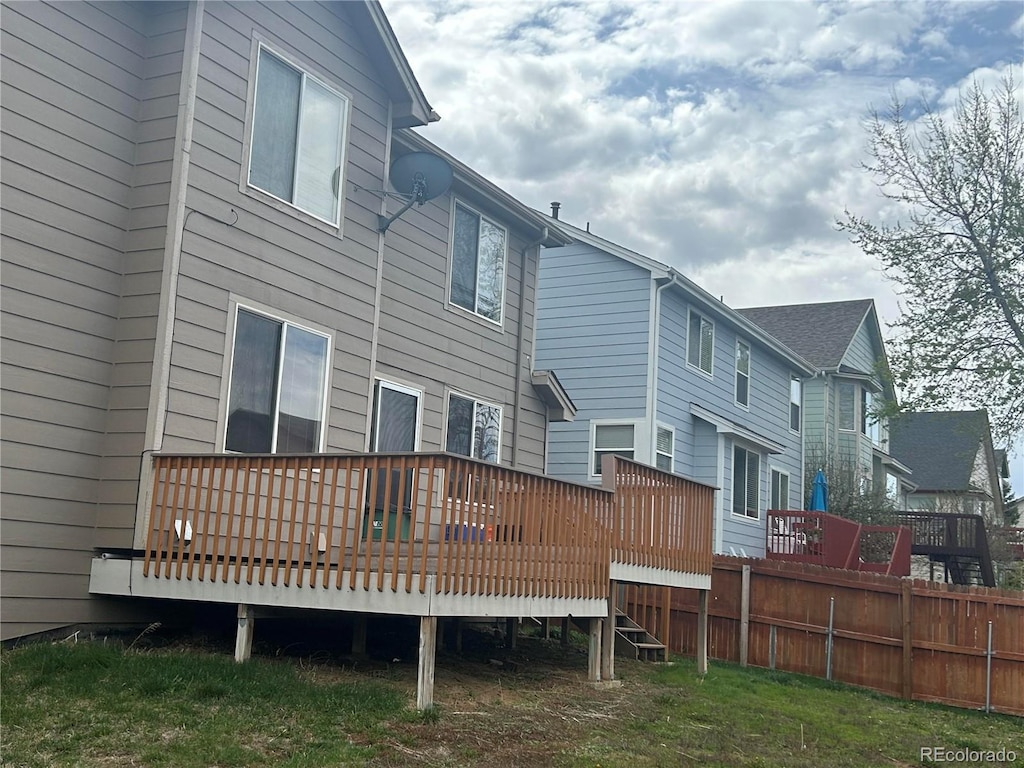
x,y
939,446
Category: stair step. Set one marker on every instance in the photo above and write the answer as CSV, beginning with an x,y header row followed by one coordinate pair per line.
x,y
624,630
656,646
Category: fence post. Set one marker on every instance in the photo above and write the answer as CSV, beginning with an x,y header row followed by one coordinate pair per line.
x,y
988,671
828,639
744,615
908,640
771,646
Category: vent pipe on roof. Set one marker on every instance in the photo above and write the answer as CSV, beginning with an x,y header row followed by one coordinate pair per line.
x,y
555,205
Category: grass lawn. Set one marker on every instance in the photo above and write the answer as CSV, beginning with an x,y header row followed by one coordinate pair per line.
x,y
100,705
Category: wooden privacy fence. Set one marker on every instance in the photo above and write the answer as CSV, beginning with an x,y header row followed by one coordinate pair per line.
x,y
385,520
915,639
657,519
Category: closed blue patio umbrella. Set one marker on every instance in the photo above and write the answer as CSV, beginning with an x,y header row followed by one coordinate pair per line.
x,y
819,493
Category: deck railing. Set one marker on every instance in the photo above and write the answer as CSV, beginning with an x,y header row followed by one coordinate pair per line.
x,y
658,519
819,538
382,520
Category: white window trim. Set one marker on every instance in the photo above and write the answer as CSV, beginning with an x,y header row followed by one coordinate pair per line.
x,y
689,329
260,41
789,486
656,452
234,304
476,401
761,462
449,304
381,382
592,442
736,377
800,405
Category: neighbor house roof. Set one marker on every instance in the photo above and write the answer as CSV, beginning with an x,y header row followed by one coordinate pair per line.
x,y
820,333
940,446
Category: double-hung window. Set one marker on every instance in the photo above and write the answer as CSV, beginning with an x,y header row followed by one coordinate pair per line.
x,y
796,397
780,490
746,482
665,449
742,374
868,417
474,428
700,348
298,133
478,264
614,439
278,385
847,394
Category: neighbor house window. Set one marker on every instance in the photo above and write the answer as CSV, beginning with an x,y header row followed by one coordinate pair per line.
x,y
396,418
847,394
478,264
892,488
700,347
474,428
278,383
616,439
298,133
780,490
796,397
746,481
742,374
868,418
665,449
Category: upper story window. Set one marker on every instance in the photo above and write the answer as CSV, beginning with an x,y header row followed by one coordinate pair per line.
x,y
278,383
742,374
868,418
796,399
298,134
474,428
847,396
780,490
700,347
478,264
665,449
615,439
746,482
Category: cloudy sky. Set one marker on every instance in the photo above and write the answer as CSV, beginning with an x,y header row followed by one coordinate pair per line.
x,y
722,138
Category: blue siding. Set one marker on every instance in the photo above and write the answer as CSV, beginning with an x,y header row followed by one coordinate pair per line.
x,y
593,325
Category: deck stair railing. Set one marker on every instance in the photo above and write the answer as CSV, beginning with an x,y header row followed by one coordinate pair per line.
x,y
959,541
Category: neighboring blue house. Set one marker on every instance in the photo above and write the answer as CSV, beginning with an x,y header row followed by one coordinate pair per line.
x,y
666,374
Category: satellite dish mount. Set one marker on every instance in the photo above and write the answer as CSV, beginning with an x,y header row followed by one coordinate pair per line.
x,y
421,176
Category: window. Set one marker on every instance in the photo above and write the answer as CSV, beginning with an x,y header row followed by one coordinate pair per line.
x,y
665,449
847,395
868,420
746,481
742,374
780,490
701,343
396,417
478,264
796,397
892,488
298,130
617,439
474,428
278,381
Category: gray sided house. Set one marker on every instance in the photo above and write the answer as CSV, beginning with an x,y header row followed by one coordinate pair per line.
x,y
193,263
956,468
842,399
664,373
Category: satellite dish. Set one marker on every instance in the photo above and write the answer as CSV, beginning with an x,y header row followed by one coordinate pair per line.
x,y
420,175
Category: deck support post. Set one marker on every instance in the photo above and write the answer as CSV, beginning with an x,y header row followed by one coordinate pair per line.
x,y
511,632
608,636
702,631
243,635
425,667
359,636
564,636
594,656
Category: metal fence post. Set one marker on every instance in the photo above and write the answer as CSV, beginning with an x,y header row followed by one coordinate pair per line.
x,y
988,671
771,647
828,641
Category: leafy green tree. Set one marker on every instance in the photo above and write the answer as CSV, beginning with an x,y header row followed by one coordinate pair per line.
x,y
956,253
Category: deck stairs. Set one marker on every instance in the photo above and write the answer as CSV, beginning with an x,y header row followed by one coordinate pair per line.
x,y
958,541
634,642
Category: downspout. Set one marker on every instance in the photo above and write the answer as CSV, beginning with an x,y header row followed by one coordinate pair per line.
x,y
653,360
519,344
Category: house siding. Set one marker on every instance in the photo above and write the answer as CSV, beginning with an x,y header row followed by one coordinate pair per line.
x,y
429,342
593,326
79,82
